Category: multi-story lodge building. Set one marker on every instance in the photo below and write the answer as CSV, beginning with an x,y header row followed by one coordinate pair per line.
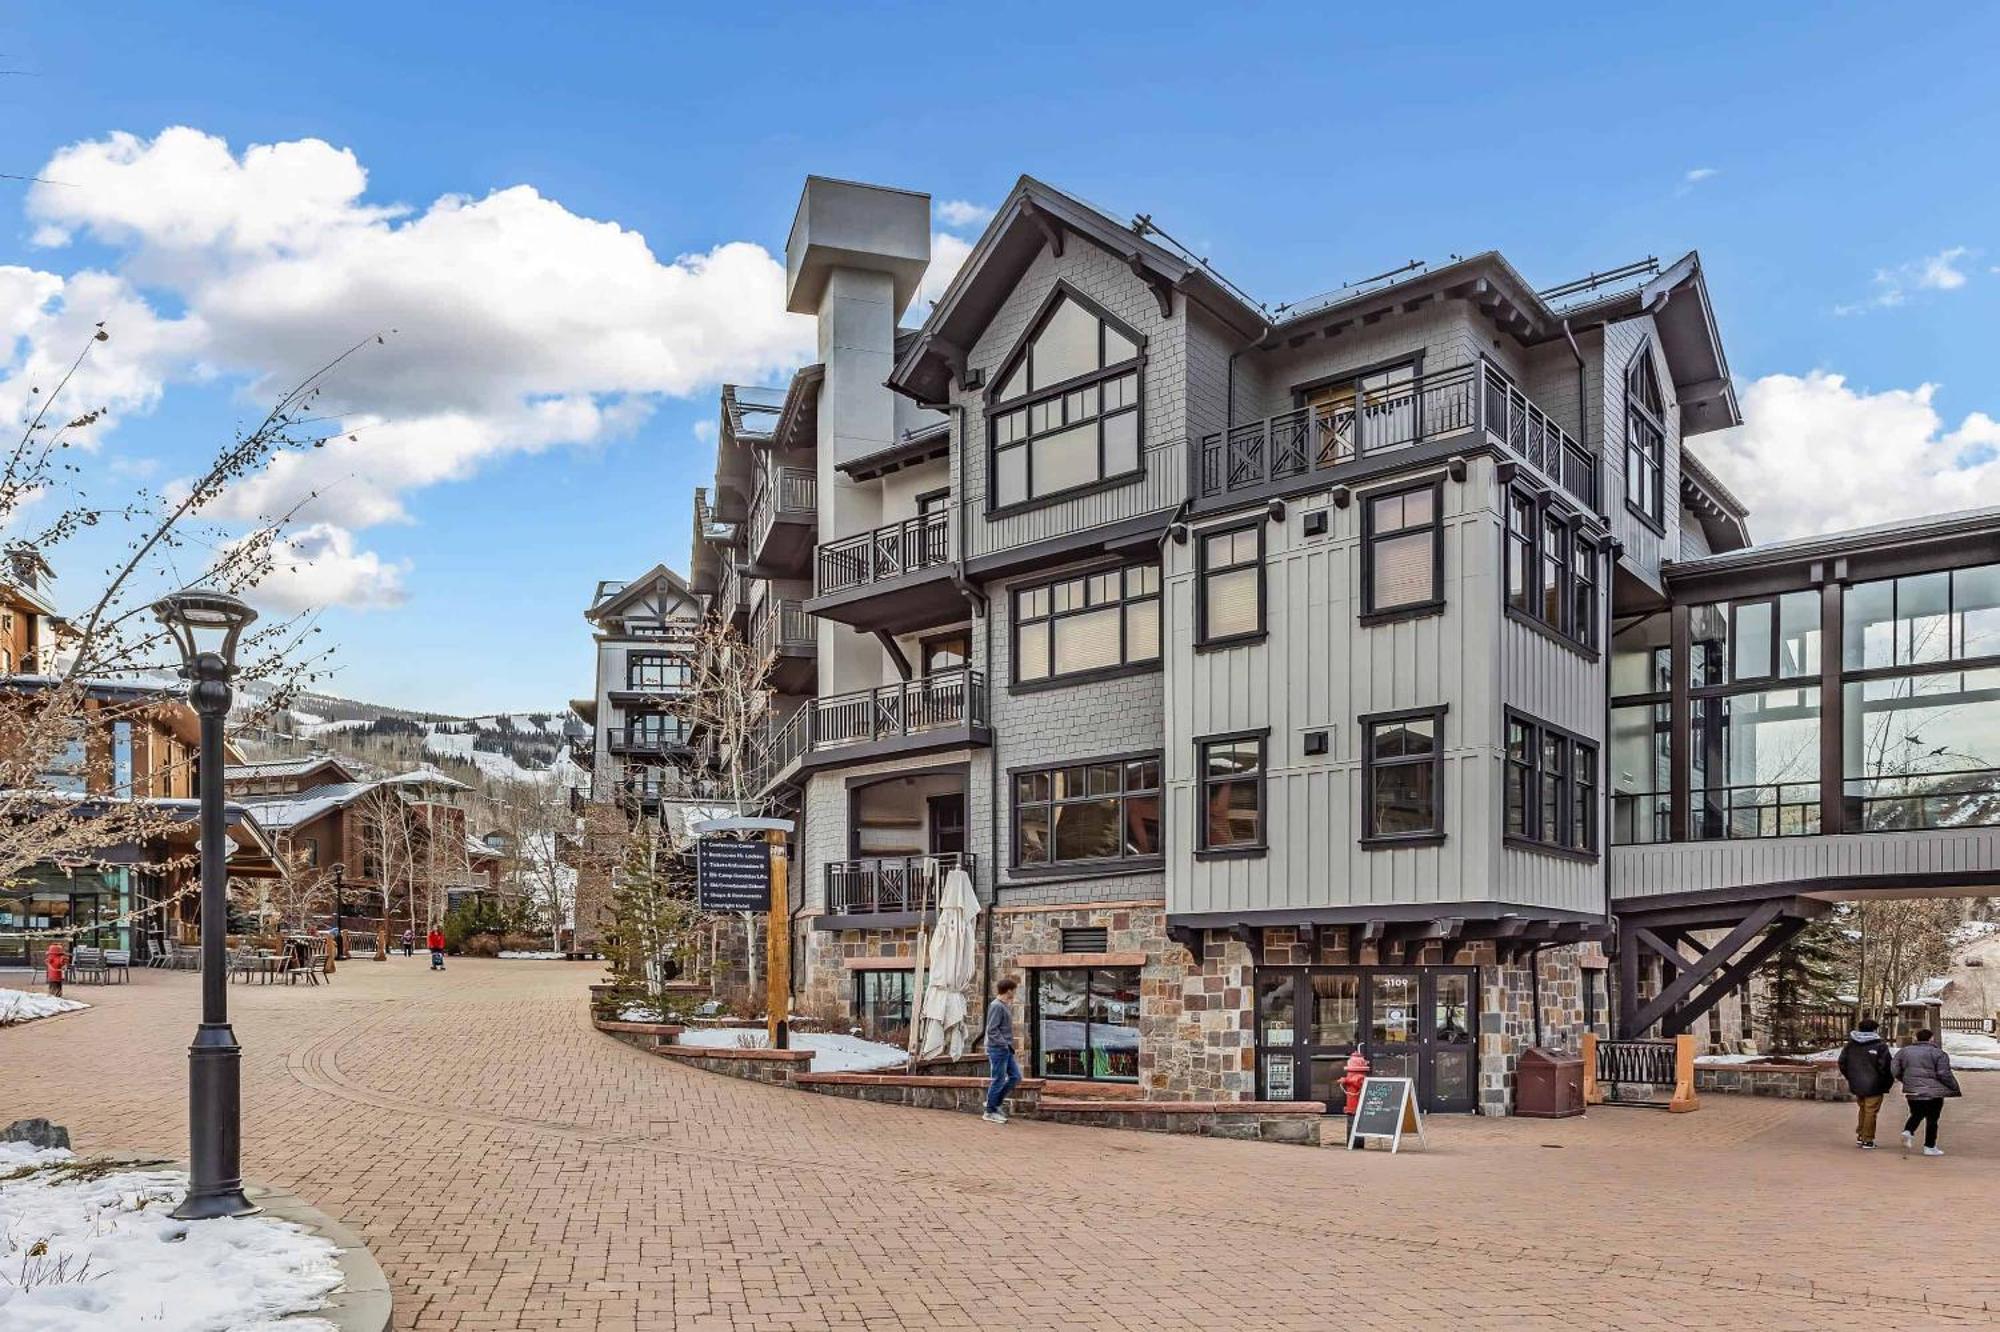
x,y
644,631
1381,671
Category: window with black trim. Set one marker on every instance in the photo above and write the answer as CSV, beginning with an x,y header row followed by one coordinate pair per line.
x,y
655,670
1551,792
1232,792
1402,776
1402,551
1065,414
1230,584
882,1001
1551,569
1088,814
1086,624
1645,440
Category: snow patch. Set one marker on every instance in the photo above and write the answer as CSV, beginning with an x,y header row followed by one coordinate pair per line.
x,y
832,1051
113,1257
20,1006
542,955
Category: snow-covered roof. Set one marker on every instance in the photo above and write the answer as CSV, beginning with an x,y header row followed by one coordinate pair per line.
x,y
425,775
292,767
279,813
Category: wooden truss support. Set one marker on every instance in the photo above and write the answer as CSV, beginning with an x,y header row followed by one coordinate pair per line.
x,y
1675,992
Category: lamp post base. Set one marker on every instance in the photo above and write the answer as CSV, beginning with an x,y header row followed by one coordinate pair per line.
x,y
215,1127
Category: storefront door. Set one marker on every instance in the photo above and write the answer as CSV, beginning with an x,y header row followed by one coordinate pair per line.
x,y
1412,1022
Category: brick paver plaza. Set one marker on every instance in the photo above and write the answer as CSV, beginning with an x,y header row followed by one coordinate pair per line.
x,y
513,1168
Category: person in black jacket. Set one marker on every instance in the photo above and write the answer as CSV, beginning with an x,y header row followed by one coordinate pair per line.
x,y
1869,1067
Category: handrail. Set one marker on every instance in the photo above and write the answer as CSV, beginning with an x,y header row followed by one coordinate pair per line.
x,y
796,491
781,623
1306,441
947,698
886,552
870,884
1754,810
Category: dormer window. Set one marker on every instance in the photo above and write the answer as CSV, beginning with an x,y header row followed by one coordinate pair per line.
x,y
1645,440
1065,414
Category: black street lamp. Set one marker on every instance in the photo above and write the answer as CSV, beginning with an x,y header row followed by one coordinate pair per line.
x,y
339,906
205,625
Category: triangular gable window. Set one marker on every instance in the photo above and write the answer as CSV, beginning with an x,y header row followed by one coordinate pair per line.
x,y
1066,412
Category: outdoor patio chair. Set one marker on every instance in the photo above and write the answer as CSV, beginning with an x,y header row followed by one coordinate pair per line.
x,y
87,964
118,965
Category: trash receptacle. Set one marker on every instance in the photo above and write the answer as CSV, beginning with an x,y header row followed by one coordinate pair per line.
x,y
1548,1084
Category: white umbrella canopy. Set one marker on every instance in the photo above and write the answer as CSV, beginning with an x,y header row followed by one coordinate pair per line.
x,y
953,956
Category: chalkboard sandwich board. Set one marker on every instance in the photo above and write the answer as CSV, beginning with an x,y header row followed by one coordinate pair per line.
x,y
733,876
1387,1109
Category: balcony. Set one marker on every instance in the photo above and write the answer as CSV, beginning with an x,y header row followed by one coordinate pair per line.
x,y
732,590
783,636
783,514
1309,446
887,886
894,579
942,711
640,738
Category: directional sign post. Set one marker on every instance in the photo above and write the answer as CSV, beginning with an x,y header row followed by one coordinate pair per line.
x,y
751,876
733,876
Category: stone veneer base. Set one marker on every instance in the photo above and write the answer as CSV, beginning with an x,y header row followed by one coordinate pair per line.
x,y
1791,1082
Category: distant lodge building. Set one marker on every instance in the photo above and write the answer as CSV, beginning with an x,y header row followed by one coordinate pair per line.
x,y
1381,673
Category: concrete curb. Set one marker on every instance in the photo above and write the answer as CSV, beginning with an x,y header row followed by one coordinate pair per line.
x,y
363,1302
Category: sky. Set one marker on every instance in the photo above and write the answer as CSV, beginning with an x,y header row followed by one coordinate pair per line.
x,y
573,218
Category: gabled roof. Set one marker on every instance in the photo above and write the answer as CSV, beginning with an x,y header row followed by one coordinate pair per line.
x,y
295,767
1719,512
284,812
1032,216
425,777
1677,298
613,597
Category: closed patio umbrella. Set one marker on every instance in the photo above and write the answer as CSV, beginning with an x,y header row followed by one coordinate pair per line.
x,y
953,954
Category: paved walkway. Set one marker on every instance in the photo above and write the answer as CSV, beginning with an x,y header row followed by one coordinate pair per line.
x,y
515,1169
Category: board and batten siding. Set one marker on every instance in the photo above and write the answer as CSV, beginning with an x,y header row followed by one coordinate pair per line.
x,y
1685,867
1321,670
1107,280
1645,549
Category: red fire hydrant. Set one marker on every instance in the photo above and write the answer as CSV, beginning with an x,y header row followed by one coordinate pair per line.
x,y
1357,1073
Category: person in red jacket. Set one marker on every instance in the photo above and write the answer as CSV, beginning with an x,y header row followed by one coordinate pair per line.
x,y
435,942
54,963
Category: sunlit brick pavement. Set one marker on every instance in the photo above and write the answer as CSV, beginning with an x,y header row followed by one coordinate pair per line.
x,y
514,1169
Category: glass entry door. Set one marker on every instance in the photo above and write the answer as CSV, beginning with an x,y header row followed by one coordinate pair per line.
x,y
1412,1022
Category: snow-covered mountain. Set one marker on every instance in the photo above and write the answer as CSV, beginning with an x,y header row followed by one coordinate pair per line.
x,y
507,746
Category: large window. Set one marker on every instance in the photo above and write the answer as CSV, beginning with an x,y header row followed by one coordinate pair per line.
x,y
1402,776
1761,638
1232,793
1086,1023
1090,623
1641,769
1088,814
1754,764
1921,704
1645,440
1551,569
882,1005
1230,595
655,670
1402,556
1066,412
1551,786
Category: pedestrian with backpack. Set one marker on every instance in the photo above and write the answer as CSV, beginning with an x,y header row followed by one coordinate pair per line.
x,y
1869,1067
435,942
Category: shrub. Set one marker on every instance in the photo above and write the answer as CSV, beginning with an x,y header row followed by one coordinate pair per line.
x,y
480,945
524,943
474,919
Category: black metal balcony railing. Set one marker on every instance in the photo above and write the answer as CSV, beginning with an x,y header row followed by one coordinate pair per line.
x,y
1307,441
1772,809
1897,802
877,884
792,492
781,626
646,785
732,589
946,699
643,739
887,552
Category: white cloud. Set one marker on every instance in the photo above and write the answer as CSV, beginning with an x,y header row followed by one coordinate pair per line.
x,y
519,325
317,565
948,255
1699,174
1943,271
1815,455
961,213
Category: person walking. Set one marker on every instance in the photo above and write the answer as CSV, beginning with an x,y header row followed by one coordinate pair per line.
x,y
409,942
54,963
435,942
1869,1067
1000,1050
1924,1069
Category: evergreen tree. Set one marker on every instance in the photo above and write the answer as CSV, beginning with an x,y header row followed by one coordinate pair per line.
x,y
655,922
1804,974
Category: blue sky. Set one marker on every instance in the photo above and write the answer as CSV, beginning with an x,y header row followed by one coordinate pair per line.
x,y
1837,174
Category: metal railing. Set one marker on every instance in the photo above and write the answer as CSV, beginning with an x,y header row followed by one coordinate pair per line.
x,y
945,699
1768,809
1978,1025
889,883
1641,818
1960,798
641,739
887,552
1636,1061
1310,440
781,624
791,491
731,589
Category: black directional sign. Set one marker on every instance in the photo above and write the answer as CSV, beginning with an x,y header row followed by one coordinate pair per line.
x,y
733,876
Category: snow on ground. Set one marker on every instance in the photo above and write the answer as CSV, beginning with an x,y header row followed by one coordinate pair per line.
x,y
540,956
20,1006
1971,1052
322,727
832,1052
91,1254
460,745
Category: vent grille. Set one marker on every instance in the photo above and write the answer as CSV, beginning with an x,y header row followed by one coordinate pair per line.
x,y
1091,940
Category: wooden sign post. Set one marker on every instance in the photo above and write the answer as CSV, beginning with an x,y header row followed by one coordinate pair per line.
x,y
778,944
753,876
1387,1109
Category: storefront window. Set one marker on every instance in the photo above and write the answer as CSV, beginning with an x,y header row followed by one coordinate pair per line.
x,y
882,1005
1087,1023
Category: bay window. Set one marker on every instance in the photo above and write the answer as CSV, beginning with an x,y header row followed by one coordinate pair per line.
x,y
1551,569
1551,787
